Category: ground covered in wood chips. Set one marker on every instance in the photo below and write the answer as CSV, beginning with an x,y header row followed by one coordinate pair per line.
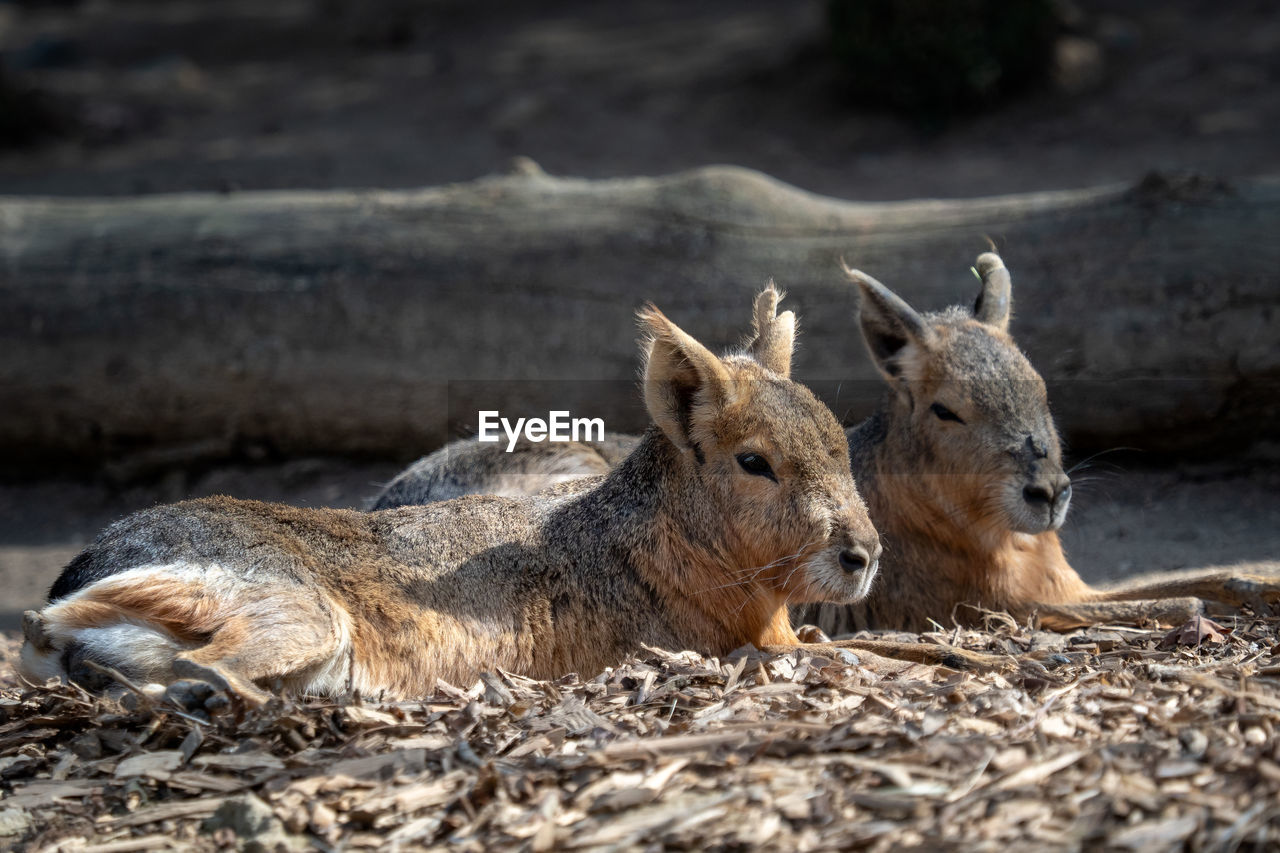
x,y
1127,739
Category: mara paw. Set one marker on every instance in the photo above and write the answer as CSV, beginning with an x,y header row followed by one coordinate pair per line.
x,y
216,680
812,634
963,659
194,696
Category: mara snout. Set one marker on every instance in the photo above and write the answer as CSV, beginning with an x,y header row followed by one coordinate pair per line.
x,y
1042,502
844,570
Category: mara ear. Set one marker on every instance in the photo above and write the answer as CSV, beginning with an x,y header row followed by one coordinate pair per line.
x,y
889,324
773,334
994,303
679,375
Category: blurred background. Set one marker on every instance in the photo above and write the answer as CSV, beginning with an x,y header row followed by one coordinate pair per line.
x,y
866,100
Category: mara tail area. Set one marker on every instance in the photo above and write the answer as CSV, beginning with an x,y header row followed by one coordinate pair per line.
x,y
961,467
737,502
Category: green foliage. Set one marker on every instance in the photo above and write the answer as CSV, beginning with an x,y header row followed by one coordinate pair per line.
x,y
935,58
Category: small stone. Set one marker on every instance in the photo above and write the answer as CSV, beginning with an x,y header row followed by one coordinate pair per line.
x,y
1194,741
1255,736
153,691
14,822
322,818
255,823
87,746
248,816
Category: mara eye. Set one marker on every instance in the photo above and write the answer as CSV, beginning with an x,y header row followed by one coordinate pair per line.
x,y
754,463
945,414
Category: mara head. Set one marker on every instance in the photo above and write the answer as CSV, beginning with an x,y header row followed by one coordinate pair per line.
x,y
763,464
966,407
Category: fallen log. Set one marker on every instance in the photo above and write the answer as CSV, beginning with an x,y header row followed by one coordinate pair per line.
x,y
377,322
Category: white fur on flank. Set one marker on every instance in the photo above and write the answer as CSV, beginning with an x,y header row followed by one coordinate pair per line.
x,y
132,647
137,646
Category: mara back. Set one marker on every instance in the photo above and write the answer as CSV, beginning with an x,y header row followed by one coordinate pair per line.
x,y
737,500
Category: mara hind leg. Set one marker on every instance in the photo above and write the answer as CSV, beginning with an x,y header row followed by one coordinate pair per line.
x,y
71,646
242,653
879,656
158,625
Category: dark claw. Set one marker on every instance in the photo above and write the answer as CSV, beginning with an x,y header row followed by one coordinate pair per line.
x,y
217,703
192,695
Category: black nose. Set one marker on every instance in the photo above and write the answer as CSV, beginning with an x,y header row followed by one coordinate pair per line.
x,y
854,559
1050,494
1037,495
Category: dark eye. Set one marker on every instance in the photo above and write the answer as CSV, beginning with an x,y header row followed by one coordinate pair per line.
x,y
945,414
754,463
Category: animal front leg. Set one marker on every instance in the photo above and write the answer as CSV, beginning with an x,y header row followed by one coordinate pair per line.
x,y
885,656
932,655
1252,585
1085,614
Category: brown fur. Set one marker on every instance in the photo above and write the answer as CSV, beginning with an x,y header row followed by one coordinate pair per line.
x,y
682,546
944,494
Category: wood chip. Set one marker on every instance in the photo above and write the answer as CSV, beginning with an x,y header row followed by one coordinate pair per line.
x,y
157,765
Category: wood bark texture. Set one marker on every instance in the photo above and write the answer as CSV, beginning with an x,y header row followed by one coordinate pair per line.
x,y
375,322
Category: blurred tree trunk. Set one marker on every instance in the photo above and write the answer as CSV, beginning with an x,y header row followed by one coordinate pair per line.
x,y
192,326
26,116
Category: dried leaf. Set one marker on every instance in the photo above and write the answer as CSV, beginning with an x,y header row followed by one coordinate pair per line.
x,y
1198,630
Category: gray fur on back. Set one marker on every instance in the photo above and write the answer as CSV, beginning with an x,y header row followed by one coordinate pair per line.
x,y
467,467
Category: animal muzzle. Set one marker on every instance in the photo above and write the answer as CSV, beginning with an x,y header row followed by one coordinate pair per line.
x,y
857,558
859,562
1049,495
859,554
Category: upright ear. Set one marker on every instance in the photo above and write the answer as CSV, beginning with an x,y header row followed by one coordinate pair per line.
x,y
889,324
680,374
774,335
995,302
